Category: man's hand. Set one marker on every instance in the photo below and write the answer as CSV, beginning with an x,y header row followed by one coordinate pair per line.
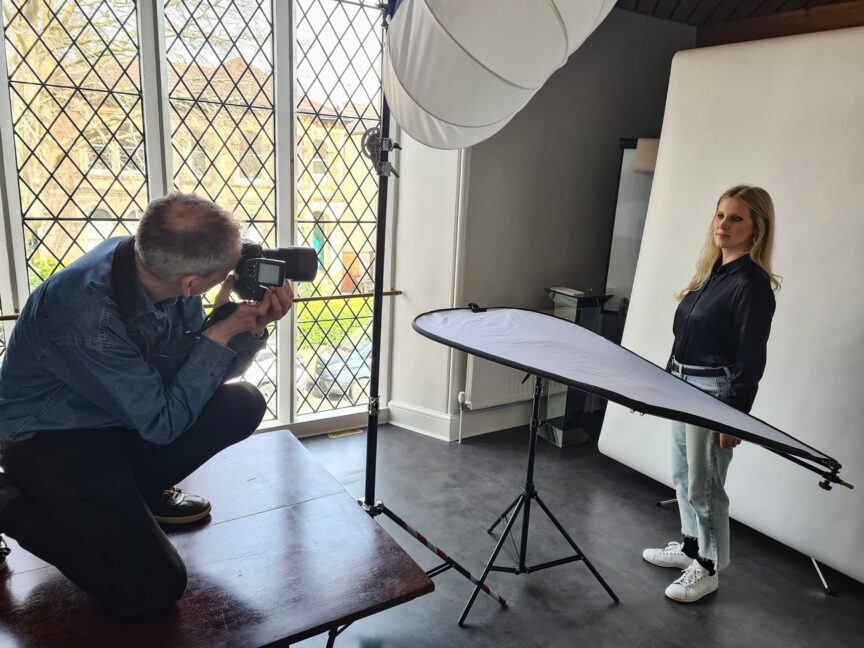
x,y
253,318
281,300
727,442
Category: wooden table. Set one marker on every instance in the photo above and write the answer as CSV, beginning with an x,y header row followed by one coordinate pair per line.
x,y
287,554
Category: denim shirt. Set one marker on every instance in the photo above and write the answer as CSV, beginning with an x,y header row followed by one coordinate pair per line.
x,y
70,362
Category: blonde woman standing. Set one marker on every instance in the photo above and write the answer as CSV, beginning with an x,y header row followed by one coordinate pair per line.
x,y
721,332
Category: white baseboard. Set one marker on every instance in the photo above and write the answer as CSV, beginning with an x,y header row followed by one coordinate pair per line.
x,y
446,427
327,422
419,419
411,417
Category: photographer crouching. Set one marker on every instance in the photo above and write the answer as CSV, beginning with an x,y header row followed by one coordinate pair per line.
x,y
112,391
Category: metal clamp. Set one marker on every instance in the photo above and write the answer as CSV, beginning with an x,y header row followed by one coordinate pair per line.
x,y
374,406
374,146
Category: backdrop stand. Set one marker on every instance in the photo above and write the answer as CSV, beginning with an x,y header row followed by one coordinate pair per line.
x,y
377,145
523,504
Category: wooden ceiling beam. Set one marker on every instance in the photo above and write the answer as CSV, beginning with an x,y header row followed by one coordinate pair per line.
x,y
788,23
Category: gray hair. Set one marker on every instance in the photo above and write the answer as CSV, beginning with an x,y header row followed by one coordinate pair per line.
x,y
181,235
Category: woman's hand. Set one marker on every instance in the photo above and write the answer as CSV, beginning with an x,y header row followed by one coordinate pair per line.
x,y
727,442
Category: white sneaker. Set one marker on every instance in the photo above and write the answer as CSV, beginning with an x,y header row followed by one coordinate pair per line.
x,y
670,556
694,583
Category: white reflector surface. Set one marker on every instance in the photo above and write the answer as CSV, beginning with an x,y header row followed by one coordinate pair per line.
x,y
568,353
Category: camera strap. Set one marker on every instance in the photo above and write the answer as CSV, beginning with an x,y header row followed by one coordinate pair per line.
x,y
123,282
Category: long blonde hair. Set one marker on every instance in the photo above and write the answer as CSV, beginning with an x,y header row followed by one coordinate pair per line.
x,y
762,212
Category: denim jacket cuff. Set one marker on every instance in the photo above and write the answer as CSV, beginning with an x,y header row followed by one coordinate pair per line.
x,y
212,356
247,344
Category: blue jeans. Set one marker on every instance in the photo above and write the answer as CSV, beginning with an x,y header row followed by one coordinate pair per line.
x,y
699,467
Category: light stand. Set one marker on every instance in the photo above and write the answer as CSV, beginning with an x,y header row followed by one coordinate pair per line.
x,y
523,504
376,145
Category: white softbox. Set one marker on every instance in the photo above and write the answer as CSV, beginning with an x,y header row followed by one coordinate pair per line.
x,y
456,71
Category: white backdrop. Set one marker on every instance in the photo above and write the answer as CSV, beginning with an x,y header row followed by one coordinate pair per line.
x,y
786,114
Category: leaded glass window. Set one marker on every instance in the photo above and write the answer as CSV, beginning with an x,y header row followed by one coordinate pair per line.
x,y
75,93
82,83
220,89
338,54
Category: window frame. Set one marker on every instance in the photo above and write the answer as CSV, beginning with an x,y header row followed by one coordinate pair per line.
x,y
158,156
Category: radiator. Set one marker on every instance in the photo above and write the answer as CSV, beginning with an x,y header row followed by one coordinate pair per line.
x,y
489,384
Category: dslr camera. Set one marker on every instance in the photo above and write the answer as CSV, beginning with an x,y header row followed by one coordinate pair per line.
x,y
259,268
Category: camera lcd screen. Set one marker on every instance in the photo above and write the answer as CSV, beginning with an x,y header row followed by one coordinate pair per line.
x,y
268,274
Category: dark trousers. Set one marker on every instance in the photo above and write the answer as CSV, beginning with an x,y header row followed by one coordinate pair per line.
x,y
84,500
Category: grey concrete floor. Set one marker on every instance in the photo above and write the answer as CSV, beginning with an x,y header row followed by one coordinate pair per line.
x,y
769,596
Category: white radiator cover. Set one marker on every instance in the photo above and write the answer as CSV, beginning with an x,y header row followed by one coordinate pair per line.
x,y
489,384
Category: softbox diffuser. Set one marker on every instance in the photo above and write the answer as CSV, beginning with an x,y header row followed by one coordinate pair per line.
x,y
456,71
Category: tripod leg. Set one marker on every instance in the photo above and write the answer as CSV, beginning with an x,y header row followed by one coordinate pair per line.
x,y
438,552
576,548
828,589
492,558
503,516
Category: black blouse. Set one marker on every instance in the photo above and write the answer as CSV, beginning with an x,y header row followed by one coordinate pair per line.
x,y
726,324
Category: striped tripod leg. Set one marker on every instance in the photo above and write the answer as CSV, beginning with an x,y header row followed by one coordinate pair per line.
x,y
441,554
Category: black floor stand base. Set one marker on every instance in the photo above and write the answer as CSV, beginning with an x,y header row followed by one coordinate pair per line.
x,y
522,504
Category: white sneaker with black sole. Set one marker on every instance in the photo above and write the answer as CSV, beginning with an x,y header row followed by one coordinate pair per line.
x,y
693,584
670,556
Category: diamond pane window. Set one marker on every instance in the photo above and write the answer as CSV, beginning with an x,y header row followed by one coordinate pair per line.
x,y
338,94
220,89
75,94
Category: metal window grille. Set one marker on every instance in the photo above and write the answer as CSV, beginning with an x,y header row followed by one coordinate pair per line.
x,y
220,89
75,94
338,94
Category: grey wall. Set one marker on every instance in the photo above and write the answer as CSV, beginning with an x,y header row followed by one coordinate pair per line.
x,y
542,191
530,208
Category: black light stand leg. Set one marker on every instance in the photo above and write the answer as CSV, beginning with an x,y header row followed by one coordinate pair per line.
x,y
380,148
376,146
529,492
578,551
490,563
448,561
503,516
522,504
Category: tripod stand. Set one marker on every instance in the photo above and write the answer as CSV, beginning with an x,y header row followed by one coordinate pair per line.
x,y
523,504
376,146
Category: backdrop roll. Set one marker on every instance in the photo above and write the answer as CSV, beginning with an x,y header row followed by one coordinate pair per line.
x,y
784,114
